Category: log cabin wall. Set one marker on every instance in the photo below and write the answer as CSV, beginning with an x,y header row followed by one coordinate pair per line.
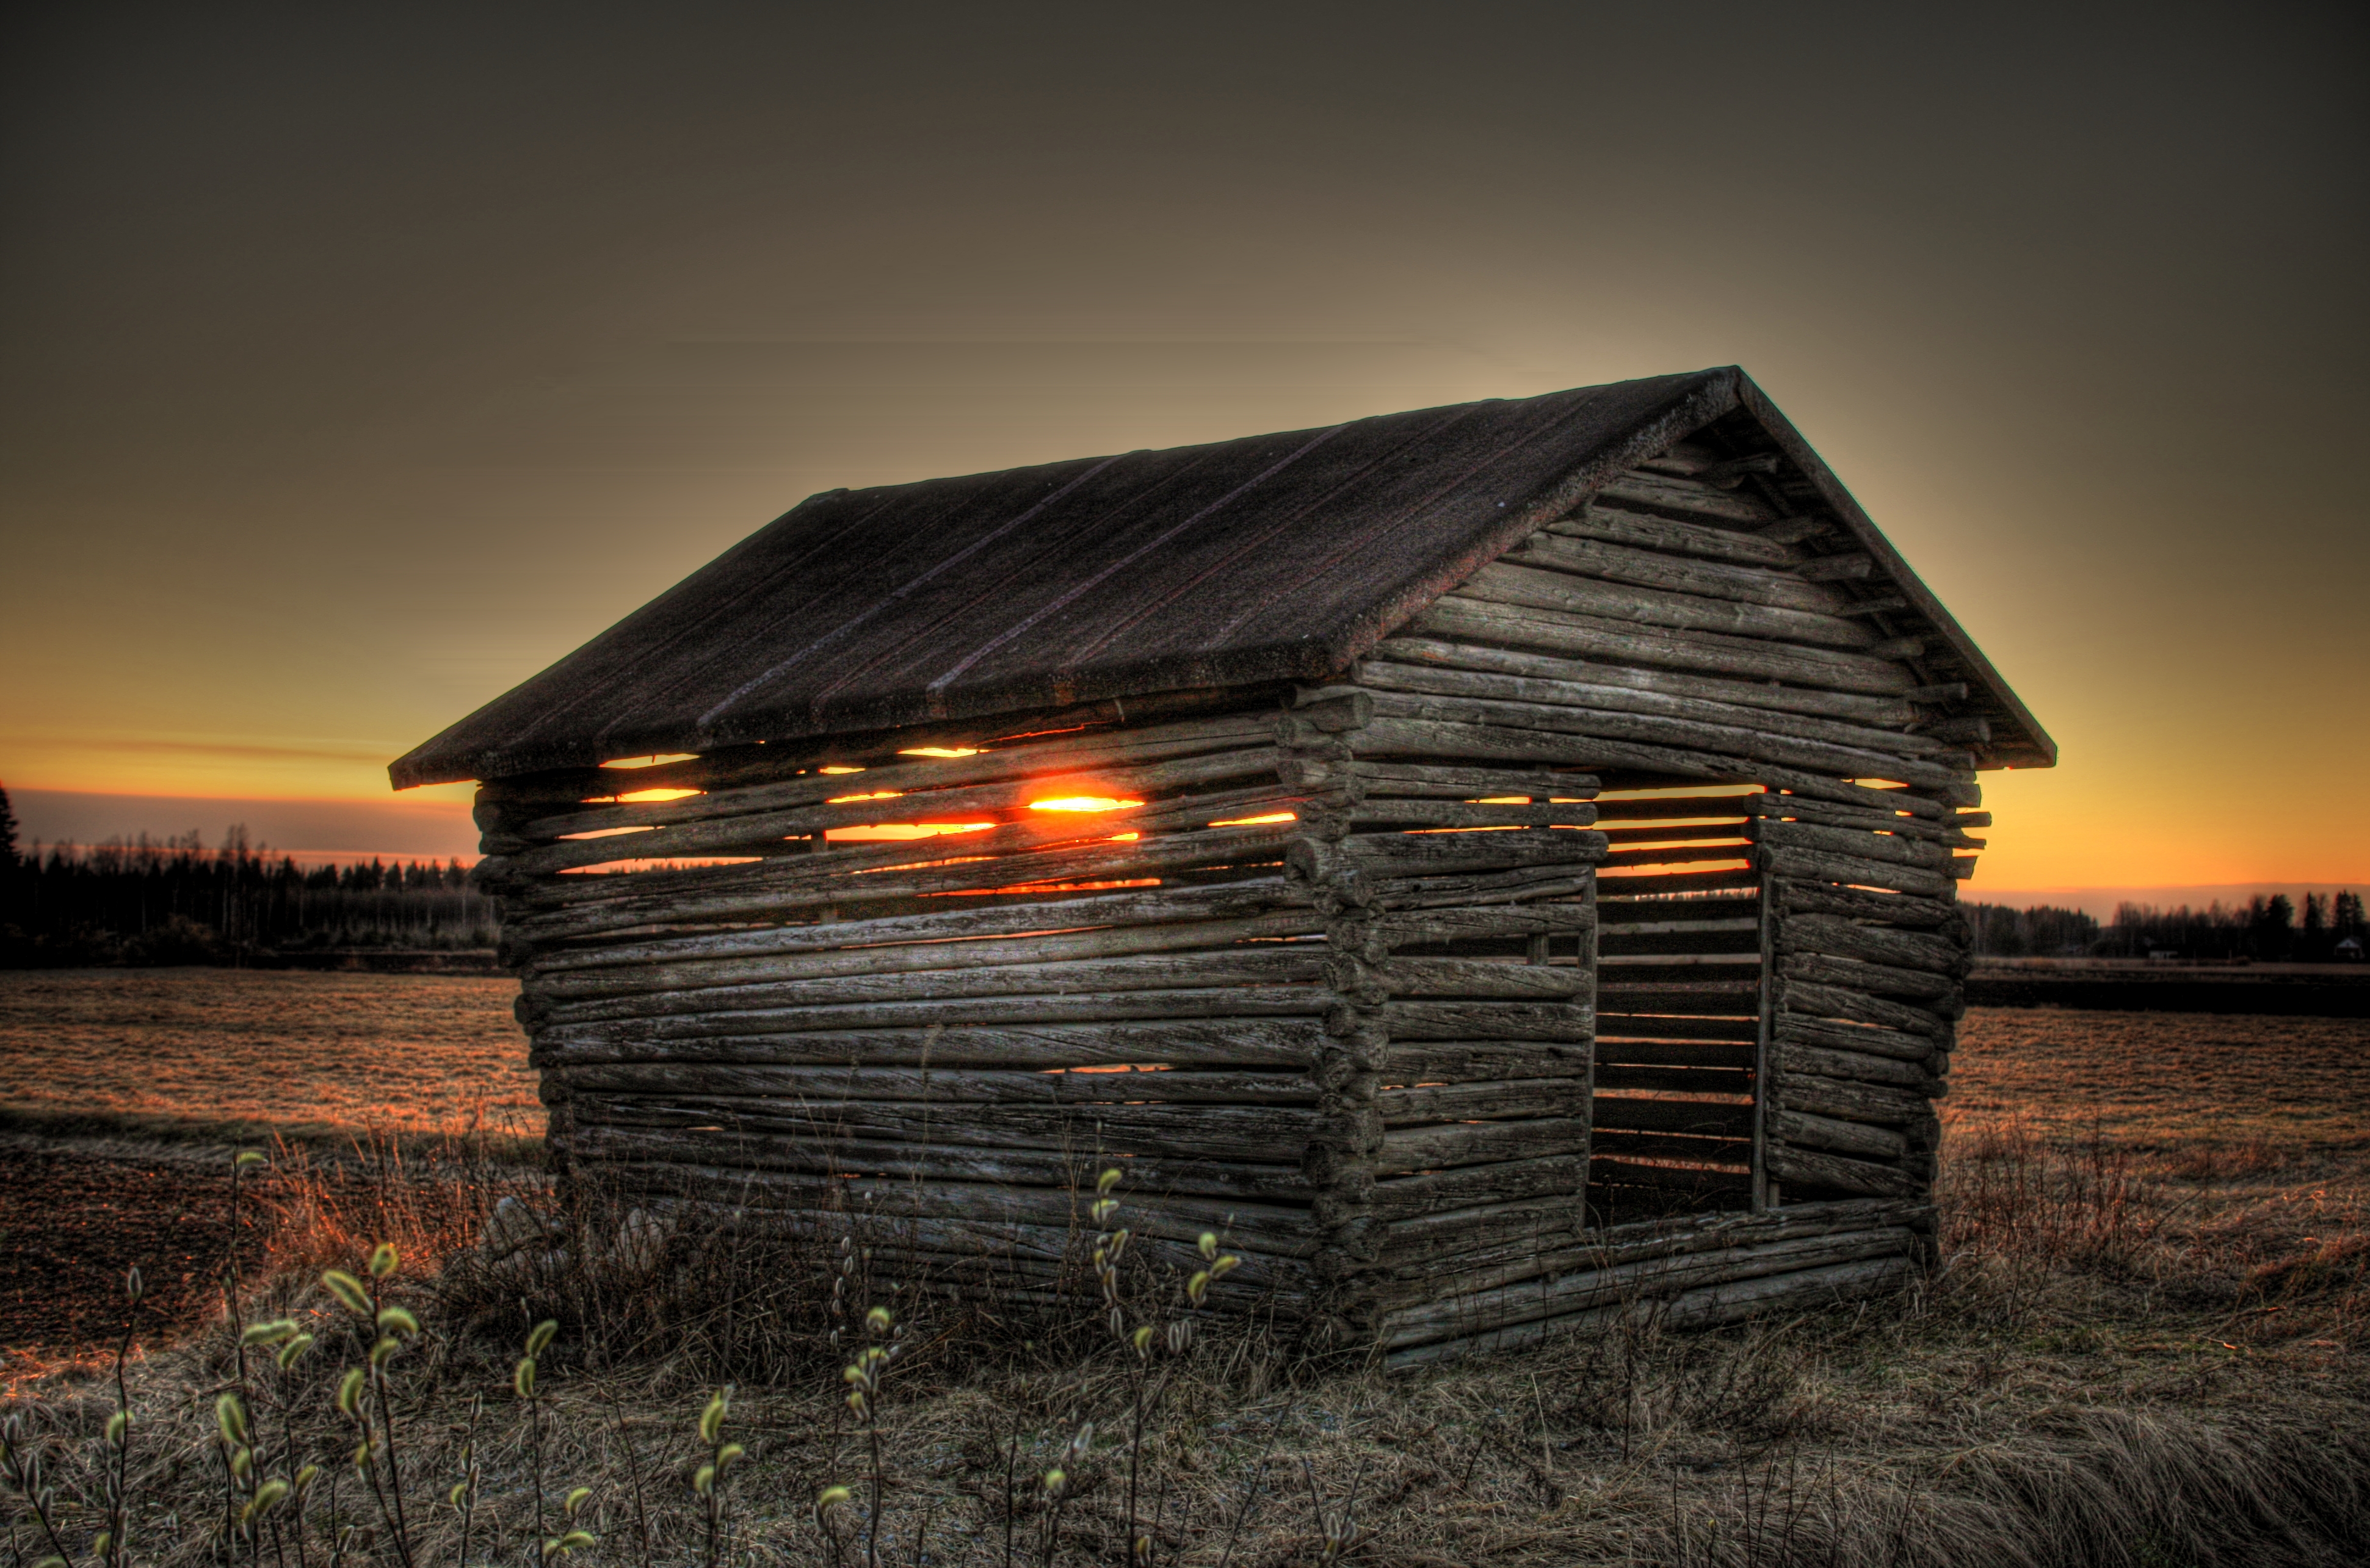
x,y
1779,956
1171,946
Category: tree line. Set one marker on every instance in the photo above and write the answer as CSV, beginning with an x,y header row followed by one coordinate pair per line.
x,y
2266,929
174,900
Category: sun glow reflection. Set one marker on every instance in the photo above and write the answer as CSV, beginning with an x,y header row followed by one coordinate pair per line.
x,y
1256,821
883,832
1083,803
937,752
640,795
651,762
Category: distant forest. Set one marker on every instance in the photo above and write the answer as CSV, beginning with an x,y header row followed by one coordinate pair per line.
x,y
174,900
2268,930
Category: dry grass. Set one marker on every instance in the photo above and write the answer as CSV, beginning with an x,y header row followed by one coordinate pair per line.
x,y
2147,1347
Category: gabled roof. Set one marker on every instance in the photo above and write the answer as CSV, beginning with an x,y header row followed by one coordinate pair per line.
x,y
1272,558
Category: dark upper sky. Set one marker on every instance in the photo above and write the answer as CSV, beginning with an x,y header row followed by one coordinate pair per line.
x,y
356,365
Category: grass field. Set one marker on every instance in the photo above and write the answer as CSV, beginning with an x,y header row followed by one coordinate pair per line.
x,y
2147,1347
259,1051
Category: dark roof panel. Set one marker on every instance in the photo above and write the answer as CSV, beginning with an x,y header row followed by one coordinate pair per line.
x,y
1272,558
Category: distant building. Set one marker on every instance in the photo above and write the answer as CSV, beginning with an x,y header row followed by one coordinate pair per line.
x,y
2348,950
1492,863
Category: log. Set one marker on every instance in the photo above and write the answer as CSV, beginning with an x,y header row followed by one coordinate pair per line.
x,y
1412,813
920,957
1235,1002
1273,1229
1208,1042
1794,530
1257,1134
825,1087
1901,1046
958,1247
1679,538
1405,1150
1533,589
1887,847
1853,903
1443,654
1703,1308
1831,815
1883,801
1415,927
1401,1198
1547,1022
1473,977
1373,856
1477,889
1834,568
1794,1163
1390,736
1688,498
1805,1062
1824,865
1370,780
1533,1300
1844,1137
1161,906
1941,992
1062,1168
1439,679
1847,1097
1841,938
1729,473
1431,1254
1835,1002
1472,1233
1269,963
1459,616
1461,1103
1409,1062
1648,568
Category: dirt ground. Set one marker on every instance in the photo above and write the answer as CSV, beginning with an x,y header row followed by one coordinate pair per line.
x,y
73,1219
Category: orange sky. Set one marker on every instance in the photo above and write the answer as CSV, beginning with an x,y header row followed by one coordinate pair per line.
x,y
350,376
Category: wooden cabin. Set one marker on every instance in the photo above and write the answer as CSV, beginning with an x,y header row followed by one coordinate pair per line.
x,y
1494,862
